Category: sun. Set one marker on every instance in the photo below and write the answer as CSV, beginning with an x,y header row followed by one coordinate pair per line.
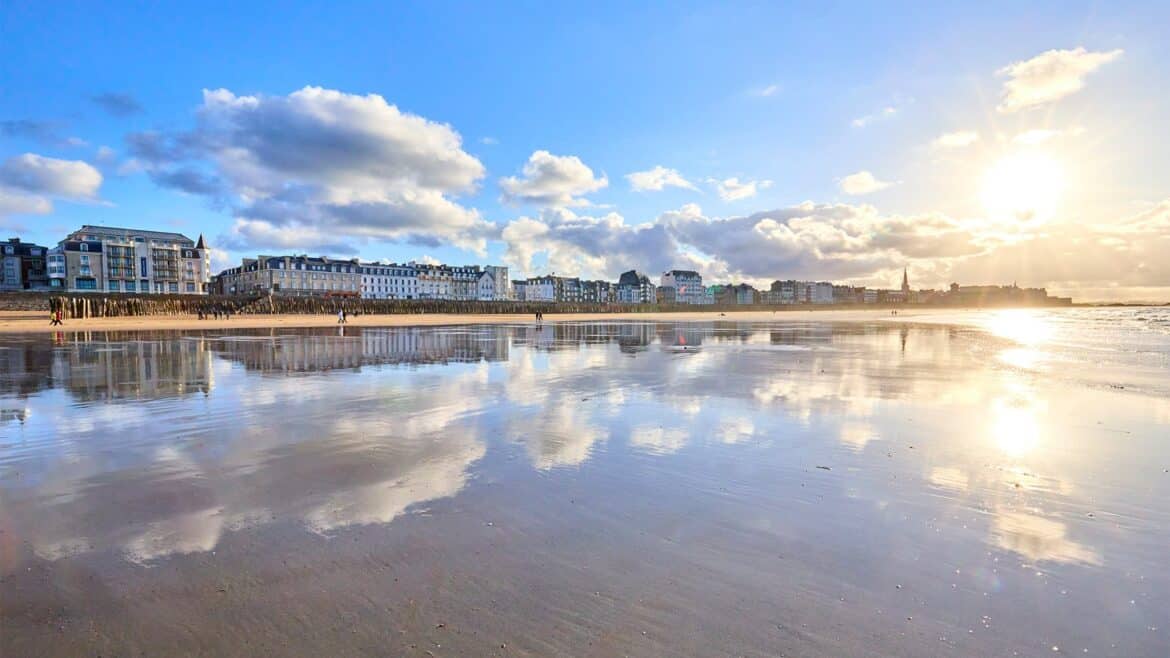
x,y
1025,187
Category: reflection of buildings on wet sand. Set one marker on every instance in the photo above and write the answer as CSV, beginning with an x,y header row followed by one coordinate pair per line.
x,y
630,336
311,352
106,367
24,367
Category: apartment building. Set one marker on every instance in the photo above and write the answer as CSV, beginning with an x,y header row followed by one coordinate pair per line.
x,y
389,281
597,292
23,266
293,275
633,287
110,259
687,286
493,284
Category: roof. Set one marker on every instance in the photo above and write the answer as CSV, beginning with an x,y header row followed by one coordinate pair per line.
x,y
683,273
128,232
633,278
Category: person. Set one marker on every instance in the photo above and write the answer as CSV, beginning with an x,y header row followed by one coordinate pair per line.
x,y
55,318
341,317
344,316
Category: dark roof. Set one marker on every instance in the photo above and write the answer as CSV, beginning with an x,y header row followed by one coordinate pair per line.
x,y
633,278
131,232
683,273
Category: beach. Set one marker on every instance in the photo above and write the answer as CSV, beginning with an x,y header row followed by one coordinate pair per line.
x,y
809,483
25,322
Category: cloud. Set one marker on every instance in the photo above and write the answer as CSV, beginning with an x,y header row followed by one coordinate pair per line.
x,y
552,180
117,104
36,174
488,141
733,189
586,246
887,112
1049,77
1042,135
862,182
42,131
954,140
658,178
766,91
329,169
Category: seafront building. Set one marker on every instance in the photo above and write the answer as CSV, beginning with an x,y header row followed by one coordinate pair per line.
x,y
301,276
683,287
104,258
23,266
633,287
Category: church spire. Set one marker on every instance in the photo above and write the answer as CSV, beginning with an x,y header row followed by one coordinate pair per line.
x,y
905,281
199,244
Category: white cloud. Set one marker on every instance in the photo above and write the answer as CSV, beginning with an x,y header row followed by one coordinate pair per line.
x,y
327,167
957,139
552,180
36,174
733,189
862,182
658,178
887,112
1049,77
489,141
1042,135
29,182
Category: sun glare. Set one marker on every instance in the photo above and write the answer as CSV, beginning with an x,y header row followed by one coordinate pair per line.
x,y
1024,187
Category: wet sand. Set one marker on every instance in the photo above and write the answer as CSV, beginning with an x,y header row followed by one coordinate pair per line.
x,y
672,488
24,322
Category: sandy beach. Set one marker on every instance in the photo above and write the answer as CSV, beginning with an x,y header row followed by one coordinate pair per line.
x,y
25,322
765,485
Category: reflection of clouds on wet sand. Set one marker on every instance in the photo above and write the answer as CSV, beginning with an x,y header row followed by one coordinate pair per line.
x,y
736,429
196,532
1039,539
658,440
558,436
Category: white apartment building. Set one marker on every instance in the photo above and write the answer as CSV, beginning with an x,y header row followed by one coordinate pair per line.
x,y
687,285
389,281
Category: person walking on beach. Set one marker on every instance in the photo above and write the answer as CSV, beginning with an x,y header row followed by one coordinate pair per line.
x,y
55,318
341,317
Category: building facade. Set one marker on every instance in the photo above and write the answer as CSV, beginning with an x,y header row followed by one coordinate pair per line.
x,y
304,276
389,281
687,285
23,266
633,287
108,259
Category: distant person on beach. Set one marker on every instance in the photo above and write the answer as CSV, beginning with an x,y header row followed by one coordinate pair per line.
x,y
55,318
341,317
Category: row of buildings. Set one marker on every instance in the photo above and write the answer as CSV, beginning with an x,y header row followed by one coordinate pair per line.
x,y
122,260
109,259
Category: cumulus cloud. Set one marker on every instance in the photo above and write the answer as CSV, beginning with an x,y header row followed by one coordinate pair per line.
x,y
954,140
325,168
552,180
887,112
1042,135
835,241
1049,77
862,182
733,189
586,246
657,179
117,104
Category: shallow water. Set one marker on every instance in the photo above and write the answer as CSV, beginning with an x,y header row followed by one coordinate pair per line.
x,y
798,488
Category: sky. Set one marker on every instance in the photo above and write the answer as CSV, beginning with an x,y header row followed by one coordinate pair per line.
x,y
978,143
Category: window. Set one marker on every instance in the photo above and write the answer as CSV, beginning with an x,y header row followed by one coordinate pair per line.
x,y
84,247
130,287
112,285
85,284
142,266
173,286
190,287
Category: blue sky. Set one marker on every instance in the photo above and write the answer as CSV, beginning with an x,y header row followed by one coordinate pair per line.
x,y
797,100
